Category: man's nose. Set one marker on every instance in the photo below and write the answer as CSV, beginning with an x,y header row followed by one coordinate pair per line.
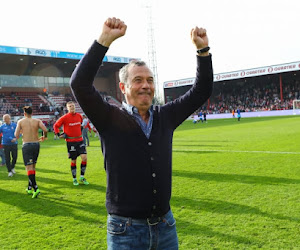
x,y
145,84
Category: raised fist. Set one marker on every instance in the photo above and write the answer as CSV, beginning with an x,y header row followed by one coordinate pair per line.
x,y
113,28
199,37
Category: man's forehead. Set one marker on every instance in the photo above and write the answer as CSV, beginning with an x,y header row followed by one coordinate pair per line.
x,y
135,70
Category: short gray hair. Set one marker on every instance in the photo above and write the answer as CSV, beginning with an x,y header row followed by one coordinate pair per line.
x,y
6,115
123,73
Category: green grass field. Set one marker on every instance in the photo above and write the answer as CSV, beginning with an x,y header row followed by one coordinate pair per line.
x,y
236,185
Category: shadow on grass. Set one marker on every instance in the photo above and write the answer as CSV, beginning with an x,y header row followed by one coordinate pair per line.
x,y
56,183
195,145
179,140
191,228
246,179
223,207
50,171
52,207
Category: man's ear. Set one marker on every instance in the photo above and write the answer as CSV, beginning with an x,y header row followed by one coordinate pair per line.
x,y
122,87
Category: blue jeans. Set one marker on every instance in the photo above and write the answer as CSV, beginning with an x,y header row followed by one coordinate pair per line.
x,y
85,136
126,233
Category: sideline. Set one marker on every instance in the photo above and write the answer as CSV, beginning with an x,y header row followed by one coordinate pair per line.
x,y
253,114
234,151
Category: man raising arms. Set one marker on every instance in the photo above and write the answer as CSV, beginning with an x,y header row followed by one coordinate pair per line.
x,y
71,123
31,146
136,141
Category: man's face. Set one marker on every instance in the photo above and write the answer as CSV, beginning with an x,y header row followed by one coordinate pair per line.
x,y
71,107
6,119
139,89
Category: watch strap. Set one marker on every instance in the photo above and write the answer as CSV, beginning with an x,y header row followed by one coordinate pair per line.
x,y
203,50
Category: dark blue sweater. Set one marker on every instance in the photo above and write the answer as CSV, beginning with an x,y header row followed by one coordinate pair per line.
x,y
139,170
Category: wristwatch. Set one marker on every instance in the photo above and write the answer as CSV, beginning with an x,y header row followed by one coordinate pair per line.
x,y
203,50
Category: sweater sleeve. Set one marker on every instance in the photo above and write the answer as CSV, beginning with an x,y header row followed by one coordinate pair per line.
x,y
82,87
58,124
181,108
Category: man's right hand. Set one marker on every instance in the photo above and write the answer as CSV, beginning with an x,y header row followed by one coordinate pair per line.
x,y
62,135
113,28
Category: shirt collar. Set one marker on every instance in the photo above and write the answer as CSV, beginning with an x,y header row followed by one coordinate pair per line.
x,y
131,109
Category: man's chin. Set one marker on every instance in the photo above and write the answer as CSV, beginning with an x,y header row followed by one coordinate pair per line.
x,y
145,104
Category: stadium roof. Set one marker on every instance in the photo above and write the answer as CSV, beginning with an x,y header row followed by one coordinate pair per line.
x,y
24,61
240,74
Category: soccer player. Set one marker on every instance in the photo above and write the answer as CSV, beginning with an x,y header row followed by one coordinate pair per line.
x,y
195,118
238,114
10,144
31,146
204,116
71,123
200,116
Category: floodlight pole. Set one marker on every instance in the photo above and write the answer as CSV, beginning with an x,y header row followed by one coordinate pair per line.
x,y
152,48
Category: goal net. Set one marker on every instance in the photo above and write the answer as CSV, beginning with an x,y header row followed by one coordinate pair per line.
x,y
296,107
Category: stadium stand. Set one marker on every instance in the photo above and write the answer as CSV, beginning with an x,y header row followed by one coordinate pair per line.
x,y
264,89
40,78
13,102
252,97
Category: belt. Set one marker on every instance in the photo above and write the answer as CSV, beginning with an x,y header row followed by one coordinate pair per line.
x,y
68,137
30,143
148,221
76,137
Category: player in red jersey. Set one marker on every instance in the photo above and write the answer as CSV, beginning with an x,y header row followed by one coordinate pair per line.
x,y
71,123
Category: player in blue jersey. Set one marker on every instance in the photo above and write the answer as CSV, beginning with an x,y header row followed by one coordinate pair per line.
x,y
238,114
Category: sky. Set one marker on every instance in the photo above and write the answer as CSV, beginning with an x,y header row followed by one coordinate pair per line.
x,y
242,34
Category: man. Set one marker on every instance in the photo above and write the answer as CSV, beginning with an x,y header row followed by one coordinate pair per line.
x,y
10,144
71,123
85,128
137,141
238,114
2,155
195,118
31,146
200,116
204,116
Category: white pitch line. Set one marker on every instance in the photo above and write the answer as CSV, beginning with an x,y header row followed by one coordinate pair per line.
x,y
97,148
236,151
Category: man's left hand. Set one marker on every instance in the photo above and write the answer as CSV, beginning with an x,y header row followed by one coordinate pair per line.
x,y
42,138
199,38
